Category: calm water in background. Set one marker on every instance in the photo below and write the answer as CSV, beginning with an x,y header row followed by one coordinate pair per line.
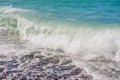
x,y
91,11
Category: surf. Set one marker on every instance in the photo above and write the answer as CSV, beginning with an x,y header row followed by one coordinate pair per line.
x,y
83,40
83,43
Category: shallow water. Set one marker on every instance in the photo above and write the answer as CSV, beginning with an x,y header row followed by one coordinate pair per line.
x,y
87,31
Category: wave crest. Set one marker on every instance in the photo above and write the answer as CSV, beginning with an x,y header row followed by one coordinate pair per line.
x,y
83,41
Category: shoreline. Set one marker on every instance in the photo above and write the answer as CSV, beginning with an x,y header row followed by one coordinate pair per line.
x,y
44,64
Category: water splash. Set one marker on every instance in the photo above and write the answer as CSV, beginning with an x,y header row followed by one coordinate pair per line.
x,y
84,44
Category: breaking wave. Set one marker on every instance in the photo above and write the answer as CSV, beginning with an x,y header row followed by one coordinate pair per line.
x,y
83,42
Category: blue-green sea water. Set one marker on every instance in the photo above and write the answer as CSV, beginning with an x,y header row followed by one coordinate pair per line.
x,y
87,30
75,11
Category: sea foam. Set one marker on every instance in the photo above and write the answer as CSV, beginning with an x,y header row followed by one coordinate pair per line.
x,y
95,49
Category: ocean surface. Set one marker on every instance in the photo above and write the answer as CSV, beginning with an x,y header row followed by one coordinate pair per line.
x,y
86,30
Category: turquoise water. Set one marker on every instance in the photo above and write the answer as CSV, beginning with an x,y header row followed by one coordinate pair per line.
x,y
76,11
86,30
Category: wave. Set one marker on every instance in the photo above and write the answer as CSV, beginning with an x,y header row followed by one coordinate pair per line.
x,y
10,9
83,41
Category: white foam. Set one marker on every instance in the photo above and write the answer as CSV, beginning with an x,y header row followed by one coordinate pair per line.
x,y
10,9
102,43
82,44
86,42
